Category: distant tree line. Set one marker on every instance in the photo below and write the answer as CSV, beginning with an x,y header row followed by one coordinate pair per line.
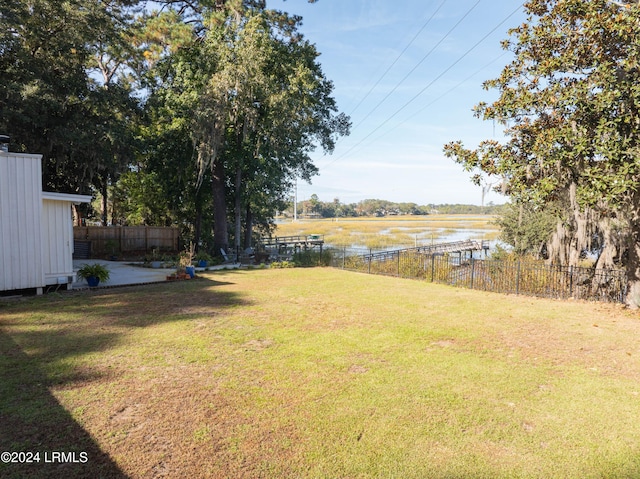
x,y
314,207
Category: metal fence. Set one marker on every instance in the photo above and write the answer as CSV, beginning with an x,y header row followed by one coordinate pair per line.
x,y
516,277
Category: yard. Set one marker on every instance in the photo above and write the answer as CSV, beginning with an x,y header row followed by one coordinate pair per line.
x,y
317,373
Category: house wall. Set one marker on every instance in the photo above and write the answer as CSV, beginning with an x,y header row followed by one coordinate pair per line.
x,y
57,246
21,264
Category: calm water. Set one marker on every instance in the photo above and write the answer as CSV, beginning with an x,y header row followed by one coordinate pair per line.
x,y
429,237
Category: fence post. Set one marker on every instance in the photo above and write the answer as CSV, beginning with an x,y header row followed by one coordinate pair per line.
x,y
432,266
570,281
344,257
424,264
369,265
518,278
398,263
472,268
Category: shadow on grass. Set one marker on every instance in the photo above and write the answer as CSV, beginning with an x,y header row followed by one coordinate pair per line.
x,y
33,422
154,304
55,330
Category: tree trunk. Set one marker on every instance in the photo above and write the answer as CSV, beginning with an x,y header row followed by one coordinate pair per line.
x,y
573,233
248,232
197,224
633,263
114,211
104,193
238,209
77,220
220,231
609,246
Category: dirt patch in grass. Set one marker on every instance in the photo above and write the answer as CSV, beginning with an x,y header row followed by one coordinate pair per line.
x,y
258,344
179,422
596,337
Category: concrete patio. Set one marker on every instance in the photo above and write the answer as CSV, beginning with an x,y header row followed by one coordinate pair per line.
x,y
122,273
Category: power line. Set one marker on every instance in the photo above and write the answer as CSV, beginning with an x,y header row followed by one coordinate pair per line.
x,y
458,85
398,57
418,64
435,100
426,87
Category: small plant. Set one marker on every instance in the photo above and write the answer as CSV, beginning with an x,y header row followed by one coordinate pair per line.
x,y
203,258
283,264
96,270
186,258
168,259
112,247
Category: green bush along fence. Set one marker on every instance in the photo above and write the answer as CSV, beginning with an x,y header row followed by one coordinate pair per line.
x,y
515,277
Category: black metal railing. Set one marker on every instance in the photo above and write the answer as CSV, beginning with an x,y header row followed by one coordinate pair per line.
x,y
515,277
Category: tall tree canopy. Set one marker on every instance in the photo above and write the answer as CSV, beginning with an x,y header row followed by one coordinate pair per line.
x,y
223,93
256,103
570,104
49,101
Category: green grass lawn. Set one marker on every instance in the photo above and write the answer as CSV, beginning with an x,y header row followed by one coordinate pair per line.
x,y
319,373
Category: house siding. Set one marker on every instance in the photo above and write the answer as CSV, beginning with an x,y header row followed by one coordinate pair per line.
x,y
57,227
21,263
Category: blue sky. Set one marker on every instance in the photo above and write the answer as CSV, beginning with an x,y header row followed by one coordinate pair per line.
x,y
402,119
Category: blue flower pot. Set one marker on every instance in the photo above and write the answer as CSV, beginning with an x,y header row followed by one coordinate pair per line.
x,y
93,281
191,271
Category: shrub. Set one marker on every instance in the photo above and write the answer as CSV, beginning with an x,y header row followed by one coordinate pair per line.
x,y
283,264
313,258
203,256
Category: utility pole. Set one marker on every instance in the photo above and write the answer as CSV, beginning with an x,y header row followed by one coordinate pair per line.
x,y
295,202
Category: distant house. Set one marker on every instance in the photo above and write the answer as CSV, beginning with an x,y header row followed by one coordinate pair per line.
x,y
36,227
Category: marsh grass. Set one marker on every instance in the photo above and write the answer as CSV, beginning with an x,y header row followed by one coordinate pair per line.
x,y
388,232
324,373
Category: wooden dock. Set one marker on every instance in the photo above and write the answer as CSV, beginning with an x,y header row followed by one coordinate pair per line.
x,y
287,246
284,247
458,247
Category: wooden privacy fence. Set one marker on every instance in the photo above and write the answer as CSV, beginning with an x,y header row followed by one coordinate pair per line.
x,y
517,277
126,239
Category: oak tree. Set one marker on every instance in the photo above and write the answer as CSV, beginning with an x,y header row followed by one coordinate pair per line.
x,y
257,103
50,103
